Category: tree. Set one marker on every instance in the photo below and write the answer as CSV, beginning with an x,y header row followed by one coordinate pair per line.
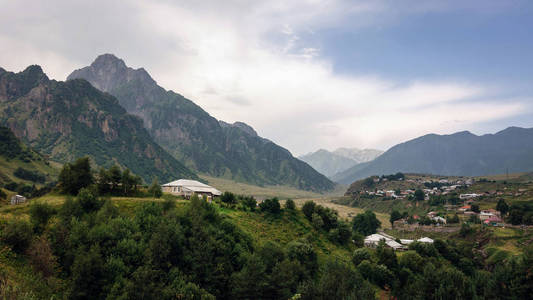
x,y
361,254
74,177
40,213
502,207
249,202
155,189
308,209
419,195
366,223
289,204
475,208
88,200
228,198
270,205
17,234
395,215
317,221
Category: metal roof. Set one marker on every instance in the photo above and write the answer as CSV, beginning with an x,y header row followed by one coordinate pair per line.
x,y
194,186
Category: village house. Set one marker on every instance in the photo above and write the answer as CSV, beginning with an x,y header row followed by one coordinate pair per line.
x,y
465,208
187,188
17,199
468,196
373,241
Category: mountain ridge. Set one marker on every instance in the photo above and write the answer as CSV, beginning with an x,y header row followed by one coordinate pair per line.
x,y
459,154
66,120
193,136
331,163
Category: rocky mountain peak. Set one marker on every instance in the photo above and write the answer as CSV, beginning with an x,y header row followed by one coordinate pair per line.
x,y
107,61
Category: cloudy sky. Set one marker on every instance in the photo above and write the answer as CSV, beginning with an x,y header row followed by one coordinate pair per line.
x,y
306,74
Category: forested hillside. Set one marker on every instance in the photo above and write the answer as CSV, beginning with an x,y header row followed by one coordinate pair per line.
x,y
196,138
66,120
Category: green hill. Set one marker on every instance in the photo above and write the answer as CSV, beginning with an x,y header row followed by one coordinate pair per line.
x,y
67,120
233,151
20,164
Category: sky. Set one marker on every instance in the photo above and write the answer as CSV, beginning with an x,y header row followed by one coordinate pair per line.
x,y
306,74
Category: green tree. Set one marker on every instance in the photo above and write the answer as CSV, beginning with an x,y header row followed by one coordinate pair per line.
x,y
308,209
228,198
395,215
73,177
419,195
155,189
17,234
502,207
40,214
289,204
88,200
317,221
270,205
361,254
366,223
475,208
249,202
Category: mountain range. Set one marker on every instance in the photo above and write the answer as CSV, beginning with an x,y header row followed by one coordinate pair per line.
x,y
330,163
195,138
461,153
67,120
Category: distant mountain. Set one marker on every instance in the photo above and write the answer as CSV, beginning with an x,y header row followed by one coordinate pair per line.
x,y
462,153
66,120
359,155
194,137
331,163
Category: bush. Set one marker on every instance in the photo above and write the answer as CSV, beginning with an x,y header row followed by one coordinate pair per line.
x,y
155,190
88,200
317,221
270,205
289,204
2,194
361,254
41,257
17,234
40,214
308,209
249,202
228,198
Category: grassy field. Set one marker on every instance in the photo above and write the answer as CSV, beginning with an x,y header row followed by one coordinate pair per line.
x,y
263,192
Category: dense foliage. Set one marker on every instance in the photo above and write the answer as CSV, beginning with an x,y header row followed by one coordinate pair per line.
x,y
34,176
75,176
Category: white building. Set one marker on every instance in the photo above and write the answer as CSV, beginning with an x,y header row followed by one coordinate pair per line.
x,y
18,199
373,240
187,188
425,240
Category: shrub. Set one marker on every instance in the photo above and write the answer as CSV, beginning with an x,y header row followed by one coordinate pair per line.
x,y
88,200
317,221
289,204
40,213
366,223
155,190
17,234
361,254
249,202
41,257
271,205
308,209
228,198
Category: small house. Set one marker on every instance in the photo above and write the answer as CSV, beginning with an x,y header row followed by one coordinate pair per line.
x,y
187,188
18,199
425,240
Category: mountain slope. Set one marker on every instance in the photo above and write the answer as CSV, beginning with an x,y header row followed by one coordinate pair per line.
x,y
15,157
331,163
193,136
66,120
462,153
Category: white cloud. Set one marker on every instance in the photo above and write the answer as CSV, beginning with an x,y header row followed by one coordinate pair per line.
x,y
245,61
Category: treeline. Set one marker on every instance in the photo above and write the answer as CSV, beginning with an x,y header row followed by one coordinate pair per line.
x,y
107,182
92,250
